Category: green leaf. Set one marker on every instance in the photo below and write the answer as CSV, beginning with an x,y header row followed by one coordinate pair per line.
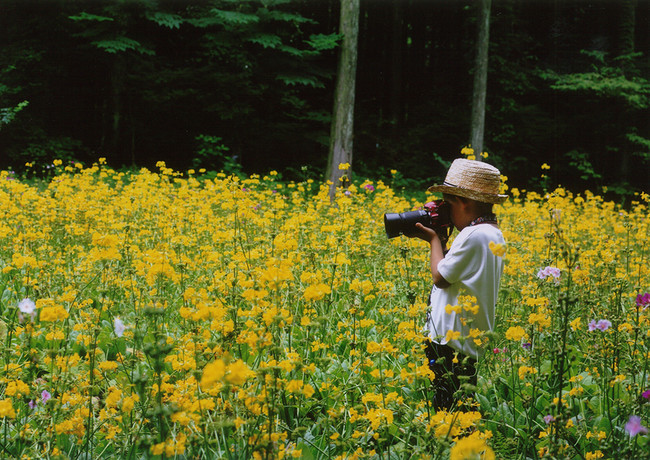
x,y
172,21
292,50
283,16
322,42
266,40
90,17
293,80
121,44
235,17
639,140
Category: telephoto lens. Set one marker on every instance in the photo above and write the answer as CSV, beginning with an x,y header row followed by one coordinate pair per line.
x,y
403,223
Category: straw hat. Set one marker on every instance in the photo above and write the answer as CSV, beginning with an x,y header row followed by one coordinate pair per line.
x,y
472,179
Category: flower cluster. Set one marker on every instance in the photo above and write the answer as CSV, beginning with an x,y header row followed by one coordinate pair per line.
x,y
205,315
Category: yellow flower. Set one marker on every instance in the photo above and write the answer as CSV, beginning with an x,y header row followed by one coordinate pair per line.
x,y
498,249
344,166
294,386
108,366
316,291
525,370
453,308
308,391
471,447
213,373
515,333
53,313
539,318
377,416
129,402
238,372
452,335
576,324
17,388
7,409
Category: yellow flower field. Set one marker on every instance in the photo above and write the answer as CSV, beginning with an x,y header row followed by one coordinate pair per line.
x,y
164,314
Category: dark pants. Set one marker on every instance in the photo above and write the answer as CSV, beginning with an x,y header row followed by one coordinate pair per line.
x,y
449,375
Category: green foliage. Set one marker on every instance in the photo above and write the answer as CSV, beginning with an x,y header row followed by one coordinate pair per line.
x,y
213,154
642,142
83,16
266,40
138,80
7,114
321,42
293,80
235,18
44,150
171,21
580,162
604,81
121,44
607,82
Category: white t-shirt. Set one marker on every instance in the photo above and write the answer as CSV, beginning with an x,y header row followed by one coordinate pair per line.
x,y
472,269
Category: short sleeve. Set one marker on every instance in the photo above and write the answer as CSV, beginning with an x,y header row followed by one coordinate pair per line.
x,y
463,259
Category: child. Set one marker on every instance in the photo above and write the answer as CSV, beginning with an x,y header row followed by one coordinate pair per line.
x,y
469,268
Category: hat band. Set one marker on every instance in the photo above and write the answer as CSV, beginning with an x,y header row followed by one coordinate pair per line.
x,y
482,192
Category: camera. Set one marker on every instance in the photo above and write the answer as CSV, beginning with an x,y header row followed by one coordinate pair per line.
x,y
435,215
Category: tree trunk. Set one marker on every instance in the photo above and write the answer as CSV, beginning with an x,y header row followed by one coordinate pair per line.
x,y
480,77
341,136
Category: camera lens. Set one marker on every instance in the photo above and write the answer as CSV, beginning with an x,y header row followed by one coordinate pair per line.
x,y
397,224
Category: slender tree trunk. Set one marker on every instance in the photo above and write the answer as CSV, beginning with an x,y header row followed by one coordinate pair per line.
x,y
341,136
480,77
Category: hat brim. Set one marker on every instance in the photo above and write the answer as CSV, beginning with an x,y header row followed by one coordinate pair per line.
x,y
466,193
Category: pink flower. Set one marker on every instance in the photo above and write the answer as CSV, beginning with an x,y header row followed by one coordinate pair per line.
x,y
634,427
643,300
550,271
369,187
601,324
646,394
549,419
45,396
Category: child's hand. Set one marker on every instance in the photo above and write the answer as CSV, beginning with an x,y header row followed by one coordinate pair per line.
x,y
425,233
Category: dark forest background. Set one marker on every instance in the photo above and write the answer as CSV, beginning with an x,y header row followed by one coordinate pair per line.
x,y
248,86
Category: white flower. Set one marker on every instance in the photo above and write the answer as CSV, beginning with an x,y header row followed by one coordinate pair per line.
x,y
27,306
119,327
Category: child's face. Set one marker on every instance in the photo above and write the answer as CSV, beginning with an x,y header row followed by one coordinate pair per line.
x,y
454,208
457,211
